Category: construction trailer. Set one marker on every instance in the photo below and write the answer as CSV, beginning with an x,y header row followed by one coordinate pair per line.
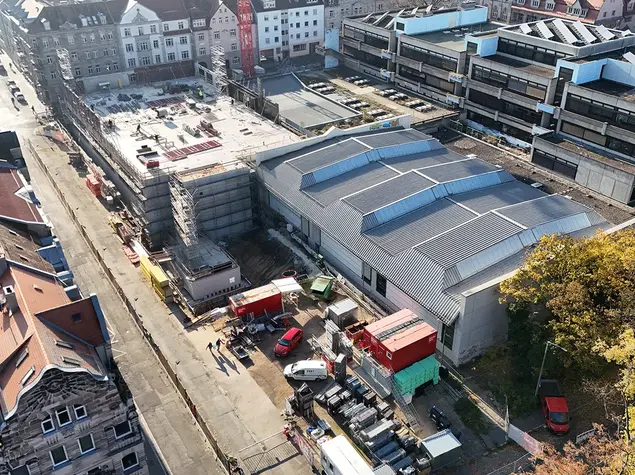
x,y
399,340
339,457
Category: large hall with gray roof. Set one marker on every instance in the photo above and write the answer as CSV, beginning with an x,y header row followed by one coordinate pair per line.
x,y
415,225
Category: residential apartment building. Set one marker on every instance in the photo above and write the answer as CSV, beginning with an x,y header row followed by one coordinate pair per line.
x,y
156,39
288,28
66,42
60,410
610,13
417,50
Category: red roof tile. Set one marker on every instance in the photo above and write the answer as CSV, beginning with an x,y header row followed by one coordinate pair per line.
x,y
14,206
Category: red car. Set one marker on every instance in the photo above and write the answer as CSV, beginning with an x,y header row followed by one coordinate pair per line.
x,y
288,342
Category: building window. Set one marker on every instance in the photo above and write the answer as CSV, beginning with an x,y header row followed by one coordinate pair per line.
x,y
45,43
201,36
87,54
129,47
53,75
266,29
166,27
49,59
114,51
129,461
232,32
234,47
115,66
306,34
297,25
157,58
84,39
315,33
306,12
201,52
94,54
169,42
183,40
267,40
181,25
171,56
306,23
447,336
144,46
315,11
105,52
297,37
126,32
276,39
132,62
110,36
275,28
380,285
266,17
90,69
97,68
58,456
86,444
217,35
47,425
102,36
146,61
122,430
314,22
185,55
56,41
78,72
331,13
301,47
71,40
198,22
155,44
92,38
140,31
153,28
236,60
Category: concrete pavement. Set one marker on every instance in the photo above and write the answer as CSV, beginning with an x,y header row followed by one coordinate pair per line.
x,y
234,414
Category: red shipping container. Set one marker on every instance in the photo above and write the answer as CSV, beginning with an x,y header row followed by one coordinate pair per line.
x,y
400,339
256,301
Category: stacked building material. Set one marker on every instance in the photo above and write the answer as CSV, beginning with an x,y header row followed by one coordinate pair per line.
x,y
409,379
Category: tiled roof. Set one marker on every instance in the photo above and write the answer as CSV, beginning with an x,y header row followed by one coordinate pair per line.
x,y
72,14
19,247
424,237
14,196
35,338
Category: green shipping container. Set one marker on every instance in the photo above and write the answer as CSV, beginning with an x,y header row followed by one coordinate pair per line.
x,y
409,379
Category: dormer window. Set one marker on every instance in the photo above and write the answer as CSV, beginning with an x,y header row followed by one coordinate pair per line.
x,y
550,6
535,3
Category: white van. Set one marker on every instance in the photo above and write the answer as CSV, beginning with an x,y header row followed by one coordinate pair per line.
x,y
307,370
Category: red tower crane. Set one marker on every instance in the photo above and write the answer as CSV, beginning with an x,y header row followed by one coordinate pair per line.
x,y
246,40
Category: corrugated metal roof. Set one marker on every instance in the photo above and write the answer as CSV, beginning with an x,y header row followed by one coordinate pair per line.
x,y
542,210
468,239
457,170
388,192
326,156
398,137
340,186
423,159
420,225
391,321
386,248
498,196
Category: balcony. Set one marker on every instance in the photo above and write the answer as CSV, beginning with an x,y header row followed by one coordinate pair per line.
x,y
366,48
351,42
485,88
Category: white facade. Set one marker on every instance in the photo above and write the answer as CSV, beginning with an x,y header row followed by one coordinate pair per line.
x,y
146,40
223,32
290,32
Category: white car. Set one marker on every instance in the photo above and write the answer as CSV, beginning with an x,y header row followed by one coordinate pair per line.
x,y
306,370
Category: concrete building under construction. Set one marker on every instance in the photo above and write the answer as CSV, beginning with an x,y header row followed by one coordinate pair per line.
x,y
181,162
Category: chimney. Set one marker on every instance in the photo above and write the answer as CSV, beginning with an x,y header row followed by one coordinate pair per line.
x,y
11,300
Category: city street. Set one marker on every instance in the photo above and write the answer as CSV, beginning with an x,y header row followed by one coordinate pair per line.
x,y
179,441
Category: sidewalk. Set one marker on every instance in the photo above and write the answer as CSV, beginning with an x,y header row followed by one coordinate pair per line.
x,y
235,410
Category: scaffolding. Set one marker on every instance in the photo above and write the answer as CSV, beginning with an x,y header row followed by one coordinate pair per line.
x,y
184,213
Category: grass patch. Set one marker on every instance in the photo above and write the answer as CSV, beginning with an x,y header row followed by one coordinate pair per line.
x,y
471,415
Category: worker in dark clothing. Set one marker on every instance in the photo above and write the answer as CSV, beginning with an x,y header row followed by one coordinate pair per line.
x,y
218,343
210,346
138,129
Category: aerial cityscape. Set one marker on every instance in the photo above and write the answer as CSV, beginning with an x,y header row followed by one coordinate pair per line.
x,y
345,237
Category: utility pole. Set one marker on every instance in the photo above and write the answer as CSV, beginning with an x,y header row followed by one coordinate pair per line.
x,y
544,357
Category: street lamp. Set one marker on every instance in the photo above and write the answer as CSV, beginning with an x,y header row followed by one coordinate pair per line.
x,y
544,357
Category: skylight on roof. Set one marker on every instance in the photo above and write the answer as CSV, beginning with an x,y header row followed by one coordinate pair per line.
x,y
22,357
28,375
71,361
64,344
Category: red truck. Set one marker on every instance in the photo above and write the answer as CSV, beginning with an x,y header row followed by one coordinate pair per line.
x,y
554,407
